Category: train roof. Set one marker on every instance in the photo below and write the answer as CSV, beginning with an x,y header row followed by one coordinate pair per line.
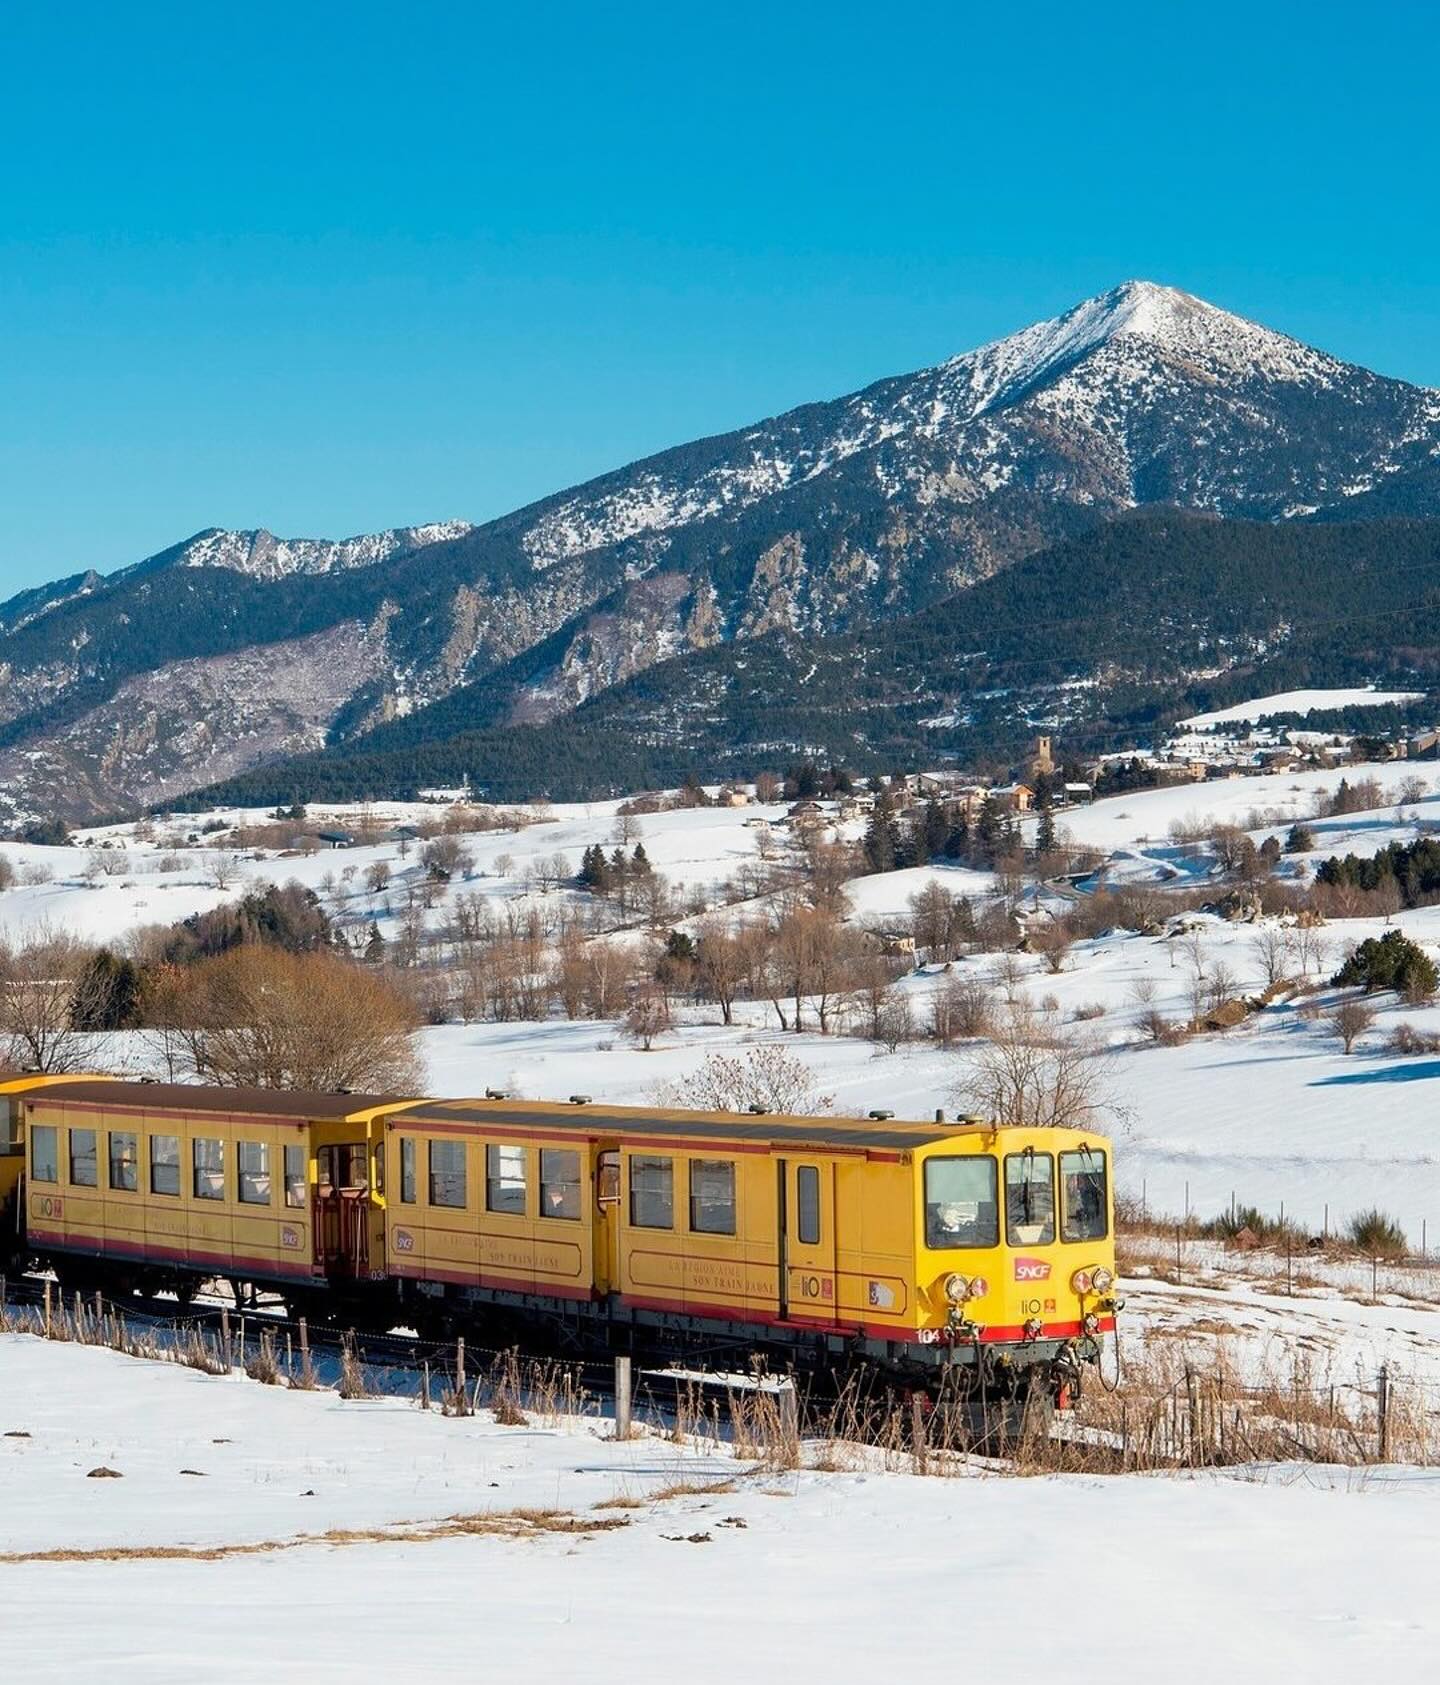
x,y
596,1120
584,1119
194,1100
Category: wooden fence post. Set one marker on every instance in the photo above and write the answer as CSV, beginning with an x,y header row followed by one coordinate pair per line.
x,y
307,1376
623,1397
460,1399
1382,1411
1192,1399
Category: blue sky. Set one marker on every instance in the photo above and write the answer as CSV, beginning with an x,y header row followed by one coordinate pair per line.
x,y
332,268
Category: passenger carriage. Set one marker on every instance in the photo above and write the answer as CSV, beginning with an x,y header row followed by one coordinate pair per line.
x,y
968,1253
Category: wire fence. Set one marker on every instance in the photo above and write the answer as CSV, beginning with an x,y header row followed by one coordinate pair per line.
x,y
1146,1419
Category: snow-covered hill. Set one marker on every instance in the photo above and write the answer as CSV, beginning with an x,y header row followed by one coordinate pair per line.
x,y
559,1553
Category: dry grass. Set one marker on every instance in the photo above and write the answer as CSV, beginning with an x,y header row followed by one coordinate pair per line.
x,y
505,1524
691,1489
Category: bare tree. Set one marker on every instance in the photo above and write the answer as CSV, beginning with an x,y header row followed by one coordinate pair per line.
x,y
377,876
1010,972
648,1015
37,991
1053,941
895,1021
223,869
962,1007
720,966
1036,1074
1312,949
769,1079
1350,1020
1221,986
260,1017
1274,952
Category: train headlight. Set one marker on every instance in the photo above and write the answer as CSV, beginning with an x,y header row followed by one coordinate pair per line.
x,y
1102,1280
1082,1281
979,1287
957,1288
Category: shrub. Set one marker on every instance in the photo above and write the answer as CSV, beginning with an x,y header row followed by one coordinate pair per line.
x,y
962,1009
1085,1014
1376,1234
1270,1231
1406,1039
1350,1020
1391,961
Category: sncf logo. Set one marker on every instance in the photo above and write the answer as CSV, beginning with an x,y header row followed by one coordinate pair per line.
x,y
1031,1269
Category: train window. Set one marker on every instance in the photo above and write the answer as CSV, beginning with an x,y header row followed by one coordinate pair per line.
x,y
252,1169
505,1180
295,1177
652,1192
962,1202
84,1170
807,1205
165,1164
124,1161
11,1143
44,1165
712,1195
1082,1181
447,1173
560,1183
407,1171
1030,1199
207,1158
352,1165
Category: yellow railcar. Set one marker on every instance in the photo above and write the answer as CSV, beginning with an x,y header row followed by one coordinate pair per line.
x,y
157,1184
969,1252
921,1248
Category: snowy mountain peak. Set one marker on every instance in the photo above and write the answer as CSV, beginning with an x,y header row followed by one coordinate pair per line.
x,y
261,554
1135,321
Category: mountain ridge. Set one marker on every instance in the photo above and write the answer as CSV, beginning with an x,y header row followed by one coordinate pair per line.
x,y
828,519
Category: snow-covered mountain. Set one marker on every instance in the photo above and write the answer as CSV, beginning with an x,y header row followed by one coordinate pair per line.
x,y
264,556
822,520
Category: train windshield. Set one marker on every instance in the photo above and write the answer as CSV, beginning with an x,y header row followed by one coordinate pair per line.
x,y
1030,1199
1082,1176
962,1206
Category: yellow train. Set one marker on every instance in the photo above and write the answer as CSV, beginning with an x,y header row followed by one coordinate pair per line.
x,y
968,1252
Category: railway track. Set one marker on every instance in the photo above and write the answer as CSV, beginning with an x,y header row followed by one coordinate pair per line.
x,y
395,1362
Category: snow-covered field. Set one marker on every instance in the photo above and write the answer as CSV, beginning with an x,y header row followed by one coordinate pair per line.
x,y
1271,1112
256,1534
1302,702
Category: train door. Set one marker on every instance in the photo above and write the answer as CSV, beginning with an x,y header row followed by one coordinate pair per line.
x,y
806,1200
342,1209
607,1220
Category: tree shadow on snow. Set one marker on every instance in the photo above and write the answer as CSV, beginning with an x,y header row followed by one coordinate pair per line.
x,y
1423,1070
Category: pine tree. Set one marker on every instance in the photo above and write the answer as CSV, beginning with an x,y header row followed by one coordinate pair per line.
x,y
989,829
375,945
1045,828
882,838
640,861
937,829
